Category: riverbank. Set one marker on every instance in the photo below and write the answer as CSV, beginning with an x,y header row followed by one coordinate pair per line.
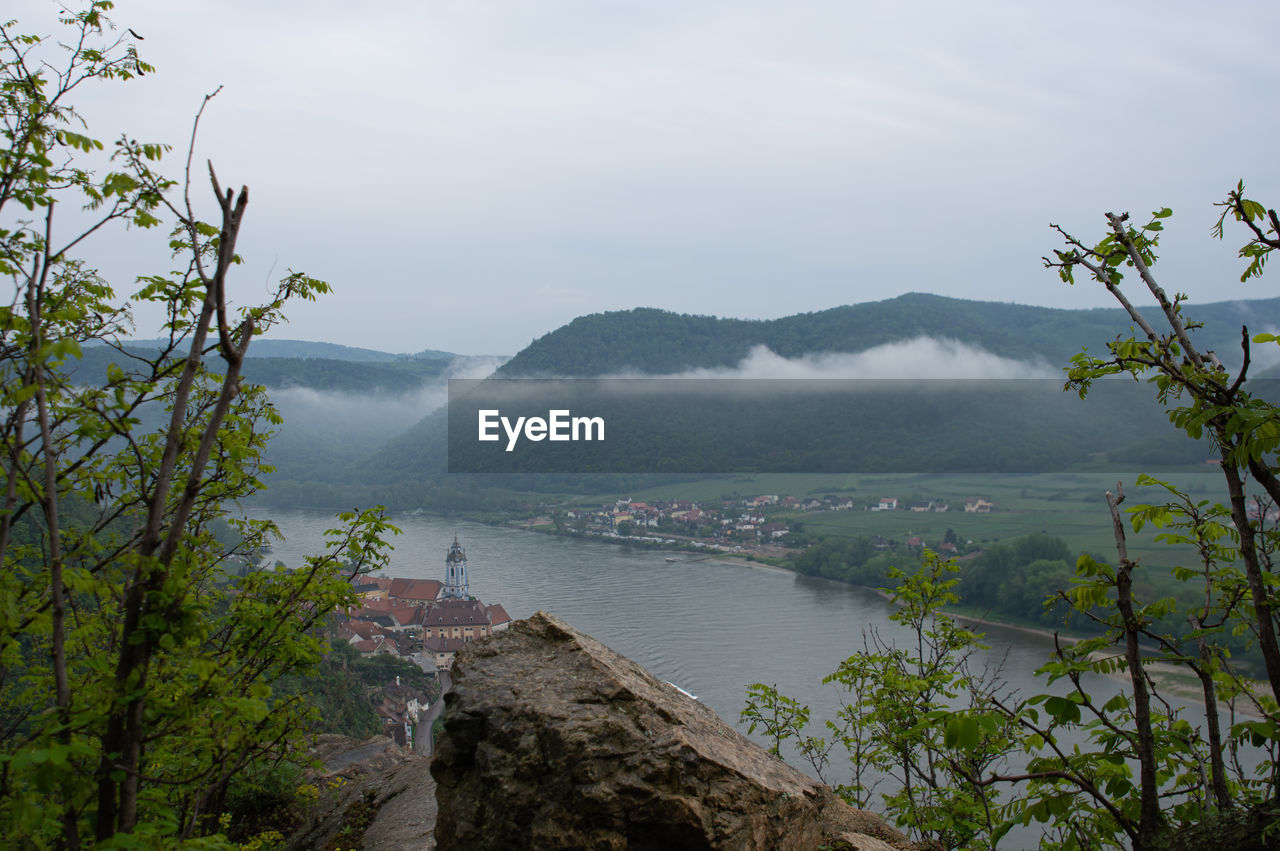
x,y
746,562
1168,677
1173,680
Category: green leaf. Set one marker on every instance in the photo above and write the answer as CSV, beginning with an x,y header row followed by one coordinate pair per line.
x,y
1064,711
962,733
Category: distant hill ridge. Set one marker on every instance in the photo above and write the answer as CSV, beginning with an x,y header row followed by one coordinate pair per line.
x,y
656,342
272,348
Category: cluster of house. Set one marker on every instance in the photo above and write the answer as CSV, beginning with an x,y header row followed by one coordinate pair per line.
x,y
424,621
917,543
733,520
737,519
972,504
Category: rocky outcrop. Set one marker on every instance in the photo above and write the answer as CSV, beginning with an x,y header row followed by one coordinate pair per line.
x,y
553,741
372,795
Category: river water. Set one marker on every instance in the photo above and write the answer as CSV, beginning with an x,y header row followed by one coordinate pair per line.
x,y
710,627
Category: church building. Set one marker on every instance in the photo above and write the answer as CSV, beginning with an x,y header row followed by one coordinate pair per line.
x,y
455,573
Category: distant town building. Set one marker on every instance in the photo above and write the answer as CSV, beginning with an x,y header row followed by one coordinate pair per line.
x,y
423,620
415,590
455,573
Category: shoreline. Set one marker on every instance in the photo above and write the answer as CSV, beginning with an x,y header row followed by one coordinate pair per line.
x,y
745,562
1163,673
1169,677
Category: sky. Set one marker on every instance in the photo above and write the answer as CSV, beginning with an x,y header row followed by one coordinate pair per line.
x,y
470,175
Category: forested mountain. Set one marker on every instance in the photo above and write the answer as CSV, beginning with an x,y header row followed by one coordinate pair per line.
x,y
660,342
412,465
359,425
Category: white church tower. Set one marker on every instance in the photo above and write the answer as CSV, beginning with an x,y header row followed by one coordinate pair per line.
x,y
455,573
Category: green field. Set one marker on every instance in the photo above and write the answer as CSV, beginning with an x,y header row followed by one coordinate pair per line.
x,y
1071,506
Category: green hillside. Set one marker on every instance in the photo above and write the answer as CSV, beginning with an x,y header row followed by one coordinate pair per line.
x,y
658,342
369,433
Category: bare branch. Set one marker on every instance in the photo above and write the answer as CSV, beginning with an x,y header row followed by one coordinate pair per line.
x,y
1135,257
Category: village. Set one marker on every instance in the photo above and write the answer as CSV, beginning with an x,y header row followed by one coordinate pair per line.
x,y
422,621
761,525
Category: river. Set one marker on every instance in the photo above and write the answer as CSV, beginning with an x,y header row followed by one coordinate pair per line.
x,y
710,627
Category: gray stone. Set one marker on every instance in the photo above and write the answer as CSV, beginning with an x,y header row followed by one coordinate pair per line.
x,y
372,793
553,741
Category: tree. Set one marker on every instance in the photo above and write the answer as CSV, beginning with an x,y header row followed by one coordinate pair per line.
x,y
896,721
135,668
1089,795
1244,429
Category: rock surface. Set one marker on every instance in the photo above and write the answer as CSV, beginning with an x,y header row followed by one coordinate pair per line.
x,y
373,795
553,741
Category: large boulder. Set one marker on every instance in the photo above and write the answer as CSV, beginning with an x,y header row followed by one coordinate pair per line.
x,y
553,741
372,795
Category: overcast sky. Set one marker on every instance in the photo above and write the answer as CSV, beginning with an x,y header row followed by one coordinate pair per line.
x,y
470,175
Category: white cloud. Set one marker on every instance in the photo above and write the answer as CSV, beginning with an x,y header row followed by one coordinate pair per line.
x,y
921,357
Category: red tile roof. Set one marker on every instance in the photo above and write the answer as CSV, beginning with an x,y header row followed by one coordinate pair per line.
x,y
443,645
366,629
418,590
456,613
407,615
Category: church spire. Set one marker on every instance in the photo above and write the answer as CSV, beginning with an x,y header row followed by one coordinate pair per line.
x,y
455,573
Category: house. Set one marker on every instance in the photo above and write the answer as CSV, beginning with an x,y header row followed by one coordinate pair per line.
x,y
425,660
774,530
978,505
464,619
498,617
407,616
369,590
378,645
442,650
401,710
887,503
355,630
415,590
